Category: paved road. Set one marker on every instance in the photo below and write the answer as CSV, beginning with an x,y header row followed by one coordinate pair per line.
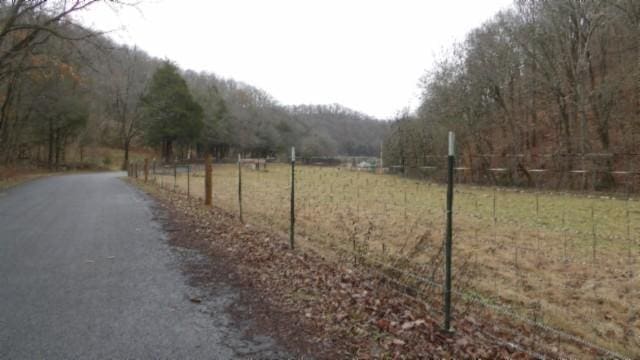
x,y
86,272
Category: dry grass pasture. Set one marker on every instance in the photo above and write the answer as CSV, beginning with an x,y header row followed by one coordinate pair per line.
x,y
567,261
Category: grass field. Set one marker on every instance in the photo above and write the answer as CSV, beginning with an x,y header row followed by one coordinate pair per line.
x,y
568,261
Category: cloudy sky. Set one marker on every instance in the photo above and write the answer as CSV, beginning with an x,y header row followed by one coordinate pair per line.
x,y
366,55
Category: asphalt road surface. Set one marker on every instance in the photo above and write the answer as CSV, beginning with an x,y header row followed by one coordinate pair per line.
x,y
86,273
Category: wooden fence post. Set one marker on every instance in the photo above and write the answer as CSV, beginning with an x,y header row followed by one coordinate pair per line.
x,y
207,180
175,176
146,170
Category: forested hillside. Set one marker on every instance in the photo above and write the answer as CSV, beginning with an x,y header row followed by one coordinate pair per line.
x,y
64,88
242,118
550,85
339,129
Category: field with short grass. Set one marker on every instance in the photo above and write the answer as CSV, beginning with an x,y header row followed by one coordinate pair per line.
x,y
567,261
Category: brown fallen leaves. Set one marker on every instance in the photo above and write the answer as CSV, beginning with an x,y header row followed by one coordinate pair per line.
x,y
347,310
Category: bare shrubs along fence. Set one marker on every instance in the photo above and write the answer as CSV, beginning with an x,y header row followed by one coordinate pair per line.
x,y
558,267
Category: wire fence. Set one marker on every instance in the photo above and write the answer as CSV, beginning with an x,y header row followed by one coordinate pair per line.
x,y
562,265
608,173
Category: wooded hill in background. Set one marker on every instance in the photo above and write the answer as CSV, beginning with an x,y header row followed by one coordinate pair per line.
x,y
550,85
63,86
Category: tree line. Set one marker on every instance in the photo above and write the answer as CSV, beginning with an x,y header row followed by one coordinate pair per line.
x,y
64,86
553,85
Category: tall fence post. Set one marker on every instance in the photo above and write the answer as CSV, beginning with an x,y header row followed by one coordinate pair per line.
x,y
240,187
146,170
292,226
380,169
449,234
136,169
175,176
188,181
207,180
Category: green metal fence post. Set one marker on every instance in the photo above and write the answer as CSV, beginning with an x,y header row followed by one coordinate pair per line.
x,y
293,198
449,234
240,187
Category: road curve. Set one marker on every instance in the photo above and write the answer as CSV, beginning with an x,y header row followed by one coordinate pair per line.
x,y
86,272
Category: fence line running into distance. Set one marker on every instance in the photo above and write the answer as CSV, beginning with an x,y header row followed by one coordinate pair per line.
x,y
519,253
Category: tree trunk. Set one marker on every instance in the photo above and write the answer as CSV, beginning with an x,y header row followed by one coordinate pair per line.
x,y
63,148
125,164
57,148
50,155
637,86
167,150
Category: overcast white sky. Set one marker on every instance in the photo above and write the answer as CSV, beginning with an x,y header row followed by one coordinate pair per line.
x,y
366,55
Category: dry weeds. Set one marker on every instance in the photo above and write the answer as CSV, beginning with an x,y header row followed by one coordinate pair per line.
x,y
566,261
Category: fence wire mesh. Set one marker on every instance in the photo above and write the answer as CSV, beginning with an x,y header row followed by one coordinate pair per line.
x,y
563,264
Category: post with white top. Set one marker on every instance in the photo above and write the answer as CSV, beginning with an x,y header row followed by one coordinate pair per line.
x,y
449,235
292,226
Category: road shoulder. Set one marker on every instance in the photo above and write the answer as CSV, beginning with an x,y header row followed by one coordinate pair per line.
x,y
253,310
315,306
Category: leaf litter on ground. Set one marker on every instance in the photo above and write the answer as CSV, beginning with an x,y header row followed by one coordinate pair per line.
x,y
349,309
